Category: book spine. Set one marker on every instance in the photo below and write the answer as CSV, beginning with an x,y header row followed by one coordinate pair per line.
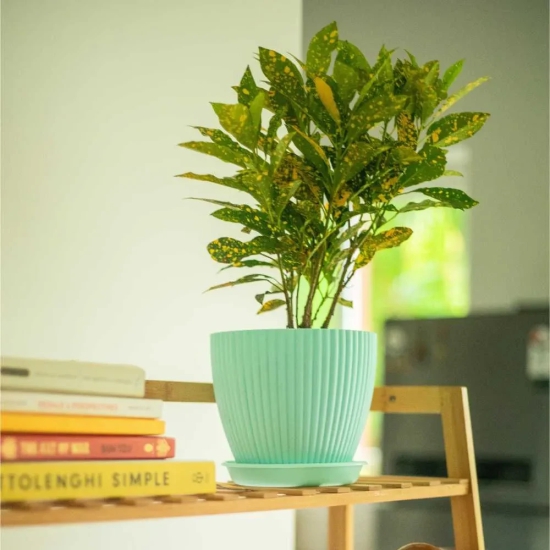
x,y
78,425
72,377
25,448
81,480
50,403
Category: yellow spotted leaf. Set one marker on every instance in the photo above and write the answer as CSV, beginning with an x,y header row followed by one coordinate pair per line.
x,y
246,215
451,74
387,239
357,156
455,128
312,151
372,111
327,98
450,101
431,167
221,152
271,305
455,198
237,120
247,90
320,50
283,75
227,250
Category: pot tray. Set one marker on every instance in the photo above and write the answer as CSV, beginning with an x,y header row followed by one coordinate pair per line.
x,y
294,475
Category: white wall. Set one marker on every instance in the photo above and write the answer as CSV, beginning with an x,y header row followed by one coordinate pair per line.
x,y
101,258
508,41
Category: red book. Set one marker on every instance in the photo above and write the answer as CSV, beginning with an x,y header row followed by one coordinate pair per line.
x,y
28,447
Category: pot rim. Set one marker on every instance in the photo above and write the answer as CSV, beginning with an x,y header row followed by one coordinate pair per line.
x,y
294,330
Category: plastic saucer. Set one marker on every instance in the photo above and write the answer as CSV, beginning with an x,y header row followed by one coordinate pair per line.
x,y
294,475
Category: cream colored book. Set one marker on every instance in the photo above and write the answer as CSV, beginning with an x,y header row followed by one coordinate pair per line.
x,y
46,375
78,404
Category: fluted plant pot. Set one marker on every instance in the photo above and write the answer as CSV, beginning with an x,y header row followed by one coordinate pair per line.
x,y
293,403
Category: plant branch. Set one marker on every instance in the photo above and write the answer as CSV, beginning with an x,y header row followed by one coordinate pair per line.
x,y
288,299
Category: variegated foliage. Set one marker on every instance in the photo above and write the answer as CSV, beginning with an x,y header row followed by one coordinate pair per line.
x,y
322,148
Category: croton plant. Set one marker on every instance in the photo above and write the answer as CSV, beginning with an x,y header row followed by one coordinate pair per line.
x,y
322,149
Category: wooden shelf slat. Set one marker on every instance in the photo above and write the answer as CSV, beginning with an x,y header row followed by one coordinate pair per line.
x,y
247,501
387,399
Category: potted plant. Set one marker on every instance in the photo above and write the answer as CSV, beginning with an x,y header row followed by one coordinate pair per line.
x,y
321,153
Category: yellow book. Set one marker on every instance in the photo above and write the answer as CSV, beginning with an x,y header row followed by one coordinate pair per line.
x,y
67,424
80,480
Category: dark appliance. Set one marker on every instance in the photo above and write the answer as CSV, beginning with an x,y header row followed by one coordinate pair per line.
x,y
503,361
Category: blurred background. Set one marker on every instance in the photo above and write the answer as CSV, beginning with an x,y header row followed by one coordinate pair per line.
x,y
103,260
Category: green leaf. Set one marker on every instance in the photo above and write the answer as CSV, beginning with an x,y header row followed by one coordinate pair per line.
x,y
373,111
387,239
413,60
286,194
347,235
260,297
237,120
216,202
431,167
454,198
221,138
432,72
454,128
391,238
271,305
449,102
280,151
320,50
247,216
273,128
347,80
364,257
312,151
249,263
344,302
256,106
405,155
229,251
255,278
453,173
233,183
283,75
351,55
451,74
248,89
381,73
219,151
414,206
357,156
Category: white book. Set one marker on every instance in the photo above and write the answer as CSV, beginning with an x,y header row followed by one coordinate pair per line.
x,y
81,405
19,373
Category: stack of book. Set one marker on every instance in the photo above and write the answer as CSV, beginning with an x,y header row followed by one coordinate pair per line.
x,y
73,430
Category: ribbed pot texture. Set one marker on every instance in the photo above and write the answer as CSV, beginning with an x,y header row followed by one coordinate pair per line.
x,y
293,396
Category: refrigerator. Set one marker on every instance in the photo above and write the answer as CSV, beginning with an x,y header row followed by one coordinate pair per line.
x,y
502,358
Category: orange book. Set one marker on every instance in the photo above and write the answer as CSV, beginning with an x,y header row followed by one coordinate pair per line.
x,y
67,424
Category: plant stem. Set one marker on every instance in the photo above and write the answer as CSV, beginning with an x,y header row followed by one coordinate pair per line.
x,y
314,281
339,289
288,299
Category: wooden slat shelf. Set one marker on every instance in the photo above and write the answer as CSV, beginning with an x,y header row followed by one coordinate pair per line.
x,y
449,402
231,499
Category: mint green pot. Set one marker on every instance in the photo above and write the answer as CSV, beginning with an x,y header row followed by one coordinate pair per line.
x,y
293,396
